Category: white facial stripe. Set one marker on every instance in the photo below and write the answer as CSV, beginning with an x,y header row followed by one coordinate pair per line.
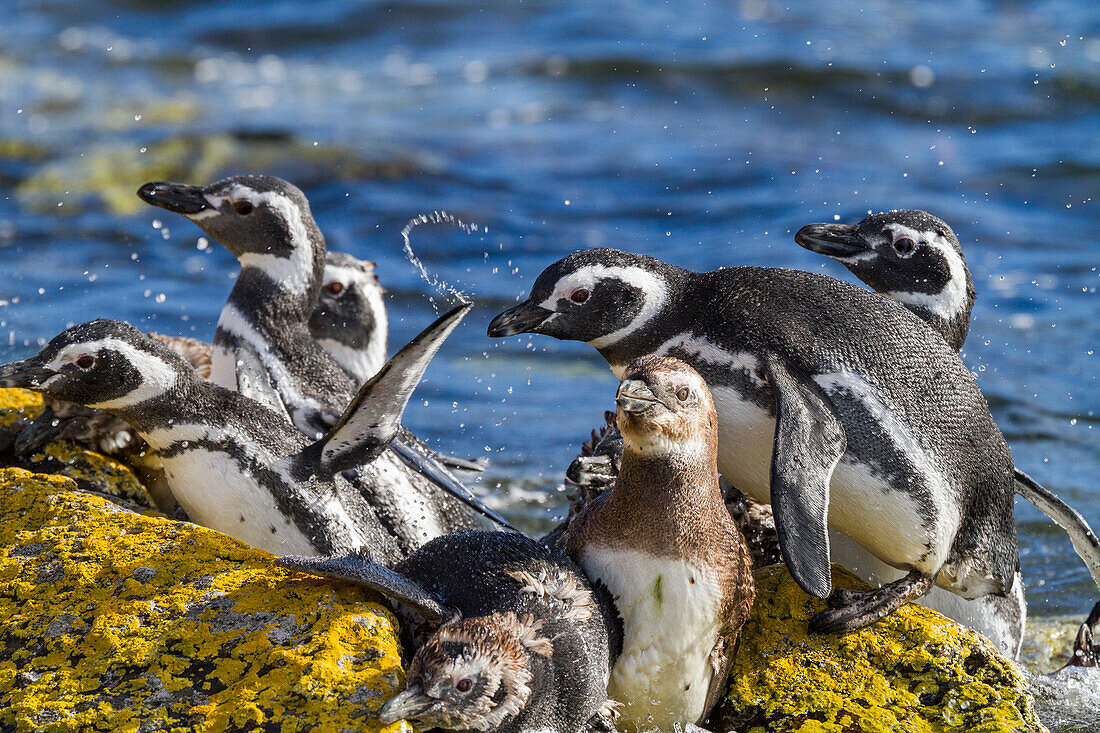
x,y
345,274
950,301
157,376
653,287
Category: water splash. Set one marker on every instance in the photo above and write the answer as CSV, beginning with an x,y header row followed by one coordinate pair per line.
x,y
441,286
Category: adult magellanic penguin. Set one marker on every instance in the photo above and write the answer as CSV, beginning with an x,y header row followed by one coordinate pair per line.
x,y
263,343
510,636
233,464
834,404
915,258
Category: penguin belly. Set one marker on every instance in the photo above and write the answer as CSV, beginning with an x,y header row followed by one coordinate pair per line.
x,y
230,501
863,502
670,612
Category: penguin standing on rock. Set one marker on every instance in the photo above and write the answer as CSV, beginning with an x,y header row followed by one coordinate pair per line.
x,y
667,549
834,404
509,635
233,464
915,258
263,346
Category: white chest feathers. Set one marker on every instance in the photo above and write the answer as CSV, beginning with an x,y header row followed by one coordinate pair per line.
x,y
670,613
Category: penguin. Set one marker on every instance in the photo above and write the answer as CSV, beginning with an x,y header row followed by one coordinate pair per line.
x,y
915,258
233,464
509,634
835,405
667,549
594,471
349,319
263,346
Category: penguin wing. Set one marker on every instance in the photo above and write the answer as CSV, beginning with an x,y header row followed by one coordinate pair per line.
x,y
358,568
809,441
374,416
254,381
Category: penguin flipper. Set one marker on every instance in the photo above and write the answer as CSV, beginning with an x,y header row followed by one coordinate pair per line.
x,y
254,381
809,441
373,418
359,568
1080,533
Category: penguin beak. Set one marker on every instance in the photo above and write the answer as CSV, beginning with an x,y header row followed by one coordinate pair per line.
x,y
635,397
28,374
409,704
180,198
523,318
832,240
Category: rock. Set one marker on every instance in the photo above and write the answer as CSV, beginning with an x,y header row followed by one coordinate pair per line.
x,y
92,471
118,621
915,671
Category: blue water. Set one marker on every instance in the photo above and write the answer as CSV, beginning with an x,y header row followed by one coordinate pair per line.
x,y
705,134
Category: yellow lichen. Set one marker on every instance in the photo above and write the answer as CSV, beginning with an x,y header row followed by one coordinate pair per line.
x,y
93,471
114,620
18,403
915,671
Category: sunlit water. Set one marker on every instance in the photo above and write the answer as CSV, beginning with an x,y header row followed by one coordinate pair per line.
x,y
705,134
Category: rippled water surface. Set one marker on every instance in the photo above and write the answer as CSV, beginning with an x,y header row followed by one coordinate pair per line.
x,y
704,134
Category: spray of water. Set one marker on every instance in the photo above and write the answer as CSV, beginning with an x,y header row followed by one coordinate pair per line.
x,y
436,217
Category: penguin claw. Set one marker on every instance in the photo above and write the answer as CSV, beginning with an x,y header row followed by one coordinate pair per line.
x,y
850,610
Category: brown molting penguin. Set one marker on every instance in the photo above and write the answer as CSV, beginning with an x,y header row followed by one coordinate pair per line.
x,y
665,546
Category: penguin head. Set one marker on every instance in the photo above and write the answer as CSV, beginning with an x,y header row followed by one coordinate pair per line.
x,y
103,363
350,310
897,253
665,407
473,674
596,295
248,215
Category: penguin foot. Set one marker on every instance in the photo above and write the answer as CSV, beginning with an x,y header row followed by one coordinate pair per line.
x,y
853,609
1086,653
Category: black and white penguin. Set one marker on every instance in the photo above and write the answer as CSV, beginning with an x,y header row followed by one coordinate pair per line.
x,y
510,636
349,319
915,258
233,464
667,549
835,405
263,344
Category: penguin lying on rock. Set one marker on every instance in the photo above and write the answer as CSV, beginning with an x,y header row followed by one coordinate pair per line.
x,y
263,346
834,404
510,636
233,464
665,546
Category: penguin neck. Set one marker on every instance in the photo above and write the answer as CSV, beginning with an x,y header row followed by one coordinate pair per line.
x,y
283,288
647,337
671,496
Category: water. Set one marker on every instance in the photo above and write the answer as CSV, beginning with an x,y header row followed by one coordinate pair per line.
x,y
705,134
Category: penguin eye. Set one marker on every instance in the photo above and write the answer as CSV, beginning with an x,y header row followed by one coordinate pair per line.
x,y
334,288
904,245
464,684
683,393
85,361
244,208
580,295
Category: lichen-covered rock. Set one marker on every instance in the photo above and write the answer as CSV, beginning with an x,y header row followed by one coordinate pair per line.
x,y
92,471
915,671
118,621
